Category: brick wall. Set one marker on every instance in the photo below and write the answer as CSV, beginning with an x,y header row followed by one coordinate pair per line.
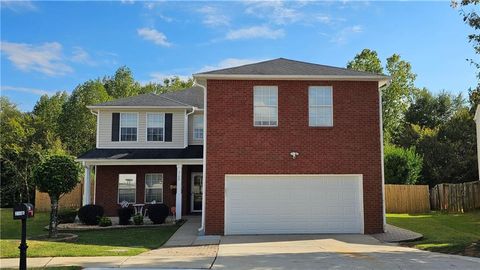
x,y
351,146
107,185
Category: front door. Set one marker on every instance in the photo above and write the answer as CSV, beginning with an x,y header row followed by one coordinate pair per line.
x,y
196,192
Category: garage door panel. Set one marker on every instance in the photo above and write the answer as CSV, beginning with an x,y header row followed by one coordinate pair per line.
x,y
293,204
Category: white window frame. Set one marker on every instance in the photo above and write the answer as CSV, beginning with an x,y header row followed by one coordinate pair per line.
x,y
120,127
195,126
146,126
310,106
145,192
126,175
264,106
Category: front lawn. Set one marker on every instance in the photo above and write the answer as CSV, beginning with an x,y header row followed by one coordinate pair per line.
x,y
114,242
446,233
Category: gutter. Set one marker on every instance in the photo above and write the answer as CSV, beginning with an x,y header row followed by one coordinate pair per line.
x,y
201,230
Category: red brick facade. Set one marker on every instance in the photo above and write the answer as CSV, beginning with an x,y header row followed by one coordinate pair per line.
x,y
235,146
107,185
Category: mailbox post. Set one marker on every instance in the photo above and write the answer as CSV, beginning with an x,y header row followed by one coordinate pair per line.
x,y
23,211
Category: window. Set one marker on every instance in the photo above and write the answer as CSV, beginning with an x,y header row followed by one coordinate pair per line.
x,y
127,187
128,126
155,127
153,187
265,106
198,127
320,106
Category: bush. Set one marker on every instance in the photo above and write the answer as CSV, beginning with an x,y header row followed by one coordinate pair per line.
x,y
67,215
157,213
124,216
105,222
402,166
138,219
90,214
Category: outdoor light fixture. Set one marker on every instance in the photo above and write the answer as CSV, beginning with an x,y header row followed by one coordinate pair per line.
x,y
294,154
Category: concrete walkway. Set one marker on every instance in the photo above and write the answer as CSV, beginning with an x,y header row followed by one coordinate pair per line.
x,y
395,234
183,250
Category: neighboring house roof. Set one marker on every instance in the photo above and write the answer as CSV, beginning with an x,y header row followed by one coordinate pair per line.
x,y
191,152
190,97
286,68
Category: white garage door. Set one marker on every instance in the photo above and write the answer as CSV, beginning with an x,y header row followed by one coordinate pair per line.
x,y
293,204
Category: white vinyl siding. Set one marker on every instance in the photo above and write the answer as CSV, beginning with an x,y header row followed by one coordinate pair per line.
x,y
128,126
265,106
155,127
320,106
198,127
127,188
153,188
105,130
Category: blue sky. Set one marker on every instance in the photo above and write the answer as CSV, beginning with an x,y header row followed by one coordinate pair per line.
x,y
50,46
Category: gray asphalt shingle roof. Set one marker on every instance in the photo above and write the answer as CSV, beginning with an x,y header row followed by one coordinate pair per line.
x,y
282,66
182,98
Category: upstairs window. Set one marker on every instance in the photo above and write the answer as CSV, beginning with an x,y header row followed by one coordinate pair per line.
x,y
127,188
320,106
265,106
198,127
155,127
128,126
153,188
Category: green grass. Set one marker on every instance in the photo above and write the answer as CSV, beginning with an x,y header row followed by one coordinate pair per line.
x,y
114,242
447,233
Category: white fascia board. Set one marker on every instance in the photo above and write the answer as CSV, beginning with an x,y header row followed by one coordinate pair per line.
x,y
103,161
138,107
477,113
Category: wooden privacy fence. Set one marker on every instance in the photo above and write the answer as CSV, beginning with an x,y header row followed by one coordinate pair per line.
x,y
70,200
407,199
456,197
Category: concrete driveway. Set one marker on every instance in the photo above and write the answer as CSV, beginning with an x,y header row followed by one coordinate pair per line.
x,y
328,252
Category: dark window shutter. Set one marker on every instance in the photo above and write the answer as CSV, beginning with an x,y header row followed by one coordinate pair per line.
x,y
168,127
115,127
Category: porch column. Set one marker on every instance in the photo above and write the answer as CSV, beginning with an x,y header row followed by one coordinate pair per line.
x,y
86,185
178,199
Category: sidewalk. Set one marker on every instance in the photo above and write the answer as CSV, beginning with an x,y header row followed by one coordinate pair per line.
x,y
180,251
395,234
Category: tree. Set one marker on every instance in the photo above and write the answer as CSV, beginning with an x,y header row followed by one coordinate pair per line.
x,y
122,84
57,175
472,18
367,60
402,166
77,125
169,84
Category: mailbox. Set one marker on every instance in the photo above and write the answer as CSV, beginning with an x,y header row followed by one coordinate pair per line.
x,y
23,211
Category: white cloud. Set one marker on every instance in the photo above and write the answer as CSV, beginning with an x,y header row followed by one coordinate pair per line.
x,y
343,35
152,34
128,2
34,91
79,55
46,58
275,11
255,32
214,17
158,77
18,6
228,63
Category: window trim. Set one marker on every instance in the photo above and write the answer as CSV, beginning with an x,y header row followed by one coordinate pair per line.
x,y
118,187
319,106
120,127
146,127
145,191
194,127
268,106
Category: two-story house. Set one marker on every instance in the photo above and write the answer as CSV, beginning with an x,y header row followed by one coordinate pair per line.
x,y
288,147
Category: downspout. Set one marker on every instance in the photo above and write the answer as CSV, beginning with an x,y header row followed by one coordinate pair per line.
x,y
380,106
204,165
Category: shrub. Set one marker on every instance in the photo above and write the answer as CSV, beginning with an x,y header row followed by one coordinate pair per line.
x,y
124,215
90,214
104,222
402,165
67,215
157,213
138,219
